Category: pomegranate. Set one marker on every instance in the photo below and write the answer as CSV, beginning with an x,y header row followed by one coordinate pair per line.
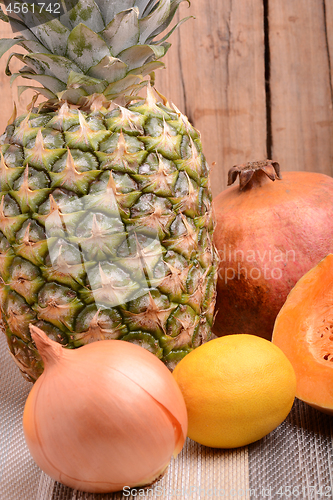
x,y
268,235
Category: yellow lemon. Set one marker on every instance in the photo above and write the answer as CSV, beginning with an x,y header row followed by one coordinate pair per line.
x,y
237,389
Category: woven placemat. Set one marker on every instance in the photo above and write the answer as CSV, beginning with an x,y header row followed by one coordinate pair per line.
x,y
294,461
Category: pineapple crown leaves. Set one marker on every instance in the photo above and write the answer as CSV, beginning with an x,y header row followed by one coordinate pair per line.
x,y
95,47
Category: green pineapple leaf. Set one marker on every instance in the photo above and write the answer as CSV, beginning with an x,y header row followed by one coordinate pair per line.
x,y
54,65
123,31
83,11
110,9
160,16
3,16
138,55
160,28
72,95
109,68
89,84
86,47
48,30
53,36
32,65
145,6
33,46
8,43
49,82
172,30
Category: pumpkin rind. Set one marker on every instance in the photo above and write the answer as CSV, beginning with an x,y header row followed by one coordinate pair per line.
x,y
304,332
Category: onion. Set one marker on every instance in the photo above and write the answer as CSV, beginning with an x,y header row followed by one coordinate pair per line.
x,y
104,416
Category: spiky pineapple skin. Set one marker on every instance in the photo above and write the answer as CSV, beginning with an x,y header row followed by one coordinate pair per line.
x,y
106,231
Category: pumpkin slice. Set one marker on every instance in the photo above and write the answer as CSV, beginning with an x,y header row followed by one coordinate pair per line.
x,y
304,331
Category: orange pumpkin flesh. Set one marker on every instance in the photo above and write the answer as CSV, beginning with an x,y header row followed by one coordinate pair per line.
x,y
304,332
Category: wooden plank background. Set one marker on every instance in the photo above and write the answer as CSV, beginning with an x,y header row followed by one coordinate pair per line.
x,y
254,76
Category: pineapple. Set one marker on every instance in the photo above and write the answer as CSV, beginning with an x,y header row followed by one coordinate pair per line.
x,y
105,206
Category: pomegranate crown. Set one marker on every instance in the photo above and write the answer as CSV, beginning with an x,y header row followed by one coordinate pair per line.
x,y
246,171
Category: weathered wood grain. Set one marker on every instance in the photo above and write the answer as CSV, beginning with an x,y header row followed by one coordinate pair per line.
x,y
215,74
301,84
328,13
